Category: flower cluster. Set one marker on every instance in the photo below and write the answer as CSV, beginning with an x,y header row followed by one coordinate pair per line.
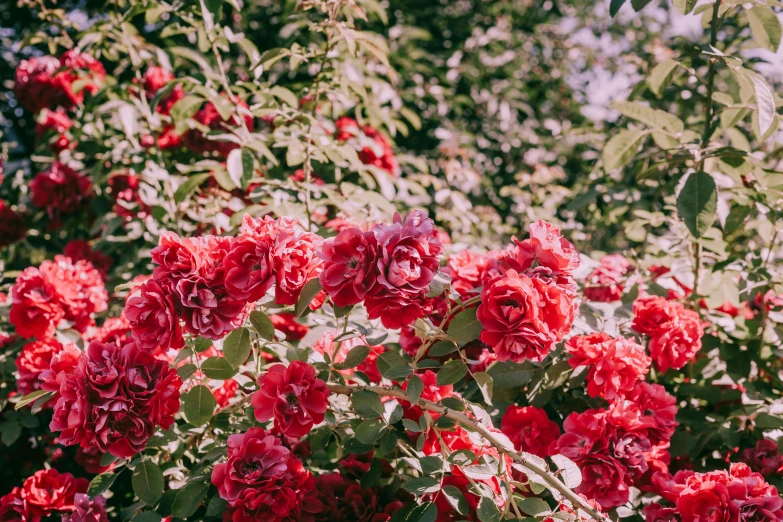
x,y
48,493
343,498
737,495
113,396
47,82
530,429
616,365
622,445
57,290
675,332
389,268
607,282
531,305
210,281
36,358
262,480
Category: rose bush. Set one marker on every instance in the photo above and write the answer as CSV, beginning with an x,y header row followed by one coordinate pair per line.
x,y
240,283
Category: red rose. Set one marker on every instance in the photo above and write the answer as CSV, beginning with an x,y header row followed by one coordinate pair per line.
x,y
647,407
176,258
678,345
545,247
764,458
606,282
604,480
654,315
263,481
657,513
13,507
468,270
12,226
530,429
207,310
523,318
124,191
87,509
586,349
60,367
81,68
48,492
80,287
287,324
36,308
704,499
617,369
757,509
115,398
113,329
54,123
584,433
59,190
249,269
348,272
155,78
225,392
293,396
153,318
35,87
296,262
209,116
670,486
397,311
36,358
631,450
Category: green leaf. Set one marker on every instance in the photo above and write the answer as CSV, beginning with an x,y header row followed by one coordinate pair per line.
x,y
101,483
614,7
10,430
216,507
507,374
638,5
622,148
32,397
736,218
661,76
442,348
655,118
241,167
262,325
487,510
464,327
188,500
309,291
355,357
198,405
186,370
392,366
451,372
765,103
201,344
685,6
415,387
456,500
218,368
766,421
485,384
236,347
765,26
370,430
569,471
534,506
422,485
190,184
697,203
147,516
186,108
148,482
367,404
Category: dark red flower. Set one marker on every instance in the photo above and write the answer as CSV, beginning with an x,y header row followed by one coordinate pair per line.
x,y
12,226
124,190
648,408
36,87
248,268
764,458
657,513
209,116
59,190
348,272
87,509
293,396
530,429
115,398
584,433
153,318
604,480
48,492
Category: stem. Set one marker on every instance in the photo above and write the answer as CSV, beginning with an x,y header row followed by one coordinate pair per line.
x,y
552,481
710,79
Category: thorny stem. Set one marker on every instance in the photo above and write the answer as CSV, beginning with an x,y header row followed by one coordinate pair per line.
x,y
467,422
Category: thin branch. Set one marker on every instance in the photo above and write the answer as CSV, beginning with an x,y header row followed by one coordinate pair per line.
x,y
467,422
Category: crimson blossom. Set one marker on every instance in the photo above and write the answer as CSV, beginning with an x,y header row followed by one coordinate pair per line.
x,y
262,481
60,190
48,82
12,226
607,281
293,396
675,332
46,493
113,397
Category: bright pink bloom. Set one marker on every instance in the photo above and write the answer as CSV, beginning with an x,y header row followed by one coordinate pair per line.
x,y
606,282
